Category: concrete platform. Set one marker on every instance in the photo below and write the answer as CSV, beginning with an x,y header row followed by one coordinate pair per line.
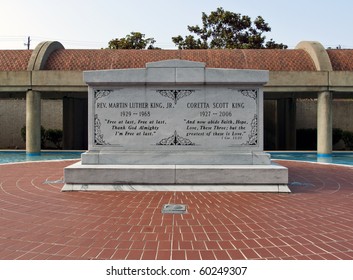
x,y
242,178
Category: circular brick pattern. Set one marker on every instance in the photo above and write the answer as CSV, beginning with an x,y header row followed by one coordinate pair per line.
x,y
37,221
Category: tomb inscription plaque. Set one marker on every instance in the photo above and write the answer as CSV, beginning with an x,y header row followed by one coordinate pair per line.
x,y
190,118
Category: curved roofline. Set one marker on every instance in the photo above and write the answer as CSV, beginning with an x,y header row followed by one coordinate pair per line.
x,y
51,55
317,53
41,54
258,59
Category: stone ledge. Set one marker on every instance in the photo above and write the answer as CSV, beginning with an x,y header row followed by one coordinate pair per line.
x,y
250,177
175,158
177,188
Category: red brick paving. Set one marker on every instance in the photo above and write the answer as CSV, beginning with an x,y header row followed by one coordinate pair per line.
x,y
38,221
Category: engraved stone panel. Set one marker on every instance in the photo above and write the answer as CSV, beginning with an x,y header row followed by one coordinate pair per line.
x,y
191,118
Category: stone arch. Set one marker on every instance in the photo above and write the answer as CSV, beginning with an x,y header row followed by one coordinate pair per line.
x,y
317,53
41,54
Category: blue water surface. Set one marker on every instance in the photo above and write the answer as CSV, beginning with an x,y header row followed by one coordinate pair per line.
x,y
345,158
20,156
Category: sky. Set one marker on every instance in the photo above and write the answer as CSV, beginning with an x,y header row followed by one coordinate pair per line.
x,y
91,24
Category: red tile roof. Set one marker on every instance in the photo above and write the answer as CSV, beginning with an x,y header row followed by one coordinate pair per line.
x,y
342,60
275,60
14,60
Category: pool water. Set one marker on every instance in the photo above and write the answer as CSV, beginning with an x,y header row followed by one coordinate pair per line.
x,y
345,158
20,156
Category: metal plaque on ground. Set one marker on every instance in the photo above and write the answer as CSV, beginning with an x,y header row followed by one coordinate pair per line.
x,y
174,209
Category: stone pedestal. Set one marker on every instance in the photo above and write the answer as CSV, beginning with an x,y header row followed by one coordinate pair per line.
x,y
176,125
245,178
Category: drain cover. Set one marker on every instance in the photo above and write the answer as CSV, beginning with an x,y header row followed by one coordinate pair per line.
x,y
174,209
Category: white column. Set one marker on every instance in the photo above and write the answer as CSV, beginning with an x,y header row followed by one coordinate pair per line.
x,y
324,124
33,123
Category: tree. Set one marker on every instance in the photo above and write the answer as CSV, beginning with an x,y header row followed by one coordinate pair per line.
x,y
135,40
227,30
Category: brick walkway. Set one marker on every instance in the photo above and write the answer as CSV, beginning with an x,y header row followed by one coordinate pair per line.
x,y
37,221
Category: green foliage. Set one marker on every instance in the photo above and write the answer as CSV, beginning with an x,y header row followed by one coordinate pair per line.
x,y
42,135
23,133
227,30
337,134
189,43
347,137
55,136
134,41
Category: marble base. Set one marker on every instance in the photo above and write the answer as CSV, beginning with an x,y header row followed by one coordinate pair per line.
x,y
256,178
178,188
175,158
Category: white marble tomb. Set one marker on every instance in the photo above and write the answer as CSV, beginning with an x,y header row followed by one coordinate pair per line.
x,y
176,125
